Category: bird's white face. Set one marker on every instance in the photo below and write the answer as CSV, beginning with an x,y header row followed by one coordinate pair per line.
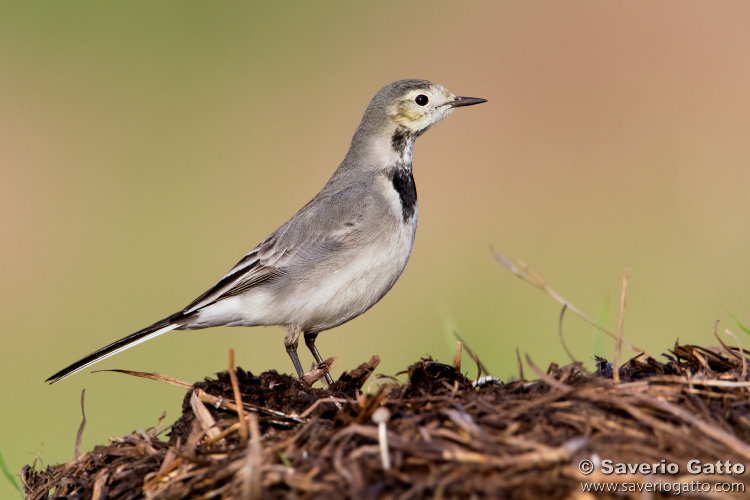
x,y
419,109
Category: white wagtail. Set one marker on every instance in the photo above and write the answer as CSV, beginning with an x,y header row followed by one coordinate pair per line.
x,y
341,252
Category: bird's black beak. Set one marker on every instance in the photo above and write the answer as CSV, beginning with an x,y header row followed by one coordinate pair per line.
x,y
459,101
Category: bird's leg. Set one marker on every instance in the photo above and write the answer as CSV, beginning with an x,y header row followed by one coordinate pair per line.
x,y
290,342
310,343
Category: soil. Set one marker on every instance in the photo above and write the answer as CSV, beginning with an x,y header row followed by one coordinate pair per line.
x,y
443,435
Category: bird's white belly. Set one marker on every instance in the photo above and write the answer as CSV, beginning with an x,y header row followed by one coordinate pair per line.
x,y
354,287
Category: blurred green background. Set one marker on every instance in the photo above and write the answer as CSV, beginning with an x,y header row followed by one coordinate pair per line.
x,y
147,146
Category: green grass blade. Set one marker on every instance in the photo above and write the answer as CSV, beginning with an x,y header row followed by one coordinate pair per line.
x,y
739,323
11,478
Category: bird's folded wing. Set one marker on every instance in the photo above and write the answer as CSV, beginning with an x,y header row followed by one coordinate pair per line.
x,y
316,231
248,272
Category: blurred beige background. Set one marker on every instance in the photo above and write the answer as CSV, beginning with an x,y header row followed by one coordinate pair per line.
x,y
146,147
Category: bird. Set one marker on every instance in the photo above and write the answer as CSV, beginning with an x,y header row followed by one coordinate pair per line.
x,y
340,253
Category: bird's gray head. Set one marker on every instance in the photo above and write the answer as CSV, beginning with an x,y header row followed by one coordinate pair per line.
x,y
399,113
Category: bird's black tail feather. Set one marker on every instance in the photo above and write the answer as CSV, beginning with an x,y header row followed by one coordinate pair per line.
x,y
163,326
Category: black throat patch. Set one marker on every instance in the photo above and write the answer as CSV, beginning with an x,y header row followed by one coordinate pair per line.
x,y
400,139
403,183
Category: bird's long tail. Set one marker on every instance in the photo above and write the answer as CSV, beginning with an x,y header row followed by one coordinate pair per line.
x,y
170,323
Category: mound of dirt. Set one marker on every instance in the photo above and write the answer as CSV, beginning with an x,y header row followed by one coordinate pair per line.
x,y
439,435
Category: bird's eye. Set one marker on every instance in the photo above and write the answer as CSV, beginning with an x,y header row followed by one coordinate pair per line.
x,y
421,99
